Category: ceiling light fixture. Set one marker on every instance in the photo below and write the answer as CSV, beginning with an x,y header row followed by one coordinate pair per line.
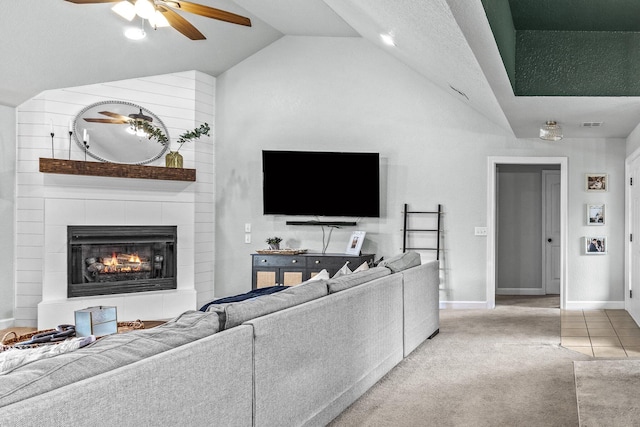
x,y
158,20
144,8
551,131
125,9
387,39
134,33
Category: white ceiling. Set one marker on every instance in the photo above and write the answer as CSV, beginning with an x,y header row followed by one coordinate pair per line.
x,y
54,44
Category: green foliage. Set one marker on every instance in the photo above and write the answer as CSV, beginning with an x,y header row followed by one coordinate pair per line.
x,y
194,134
273,240
154,132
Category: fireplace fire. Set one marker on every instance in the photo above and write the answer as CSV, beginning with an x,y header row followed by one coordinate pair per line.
x,y
107,260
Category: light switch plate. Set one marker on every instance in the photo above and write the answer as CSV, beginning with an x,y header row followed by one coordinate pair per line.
x,y
481,231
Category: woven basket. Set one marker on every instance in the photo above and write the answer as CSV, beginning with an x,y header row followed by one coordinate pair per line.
x,y
8,341
130,326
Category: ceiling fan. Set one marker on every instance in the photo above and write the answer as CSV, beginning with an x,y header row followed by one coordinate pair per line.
x,y
163,13
119,119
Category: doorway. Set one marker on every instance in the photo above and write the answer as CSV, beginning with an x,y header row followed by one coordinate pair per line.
x,y
526,243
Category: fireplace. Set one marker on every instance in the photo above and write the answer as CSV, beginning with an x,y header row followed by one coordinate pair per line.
x,y
105,260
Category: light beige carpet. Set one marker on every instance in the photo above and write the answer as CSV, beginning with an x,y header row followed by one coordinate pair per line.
x,y
608,392
501,367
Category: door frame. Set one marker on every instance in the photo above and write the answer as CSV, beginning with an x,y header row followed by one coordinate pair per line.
x,y
492,163
628,271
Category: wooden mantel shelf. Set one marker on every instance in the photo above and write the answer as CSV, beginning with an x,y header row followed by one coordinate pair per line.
x,y
117,170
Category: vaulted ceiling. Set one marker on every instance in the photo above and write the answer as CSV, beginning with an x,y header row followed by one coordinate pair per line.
x,y
53,44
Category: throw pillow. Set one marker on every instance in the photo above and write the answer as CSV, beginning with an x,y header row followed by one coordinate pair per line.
x,y
323,275
402,261
343,271
364,266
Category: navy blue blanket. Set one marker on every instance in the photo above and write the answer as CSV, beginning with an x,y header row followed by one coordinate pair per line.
x,y
242,297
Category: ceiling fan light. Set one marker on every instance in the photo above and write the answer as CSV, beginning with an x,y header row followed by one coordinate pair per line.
x,y
551,131
145,9
134,33
158,20
125,9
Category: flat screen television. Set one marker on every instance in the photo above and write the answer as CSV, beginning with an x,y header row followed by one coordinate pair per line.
x,y
321,183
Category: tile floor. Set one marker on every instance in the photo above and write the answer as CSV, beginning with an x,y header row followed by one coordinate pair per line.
x,y
600,333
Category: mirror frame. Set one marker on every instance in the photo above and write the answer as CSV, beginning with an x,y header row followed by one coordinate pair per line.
x,y
156,121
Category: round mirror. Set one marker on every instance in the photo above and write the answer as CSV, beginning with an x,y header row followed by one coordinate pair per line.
x,y
116,134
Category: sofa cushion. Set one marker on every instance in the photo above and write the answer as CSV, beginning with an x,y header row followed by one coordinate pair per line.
x,y
401,261
106,354
354,279
234,314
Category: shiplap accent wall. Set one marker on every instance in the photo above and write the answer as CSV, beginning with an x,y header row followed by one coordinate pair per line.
x,y
47,203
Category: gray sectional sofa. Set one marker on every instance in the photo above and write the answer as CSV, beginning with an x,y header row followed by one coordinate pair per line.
x,y
297,357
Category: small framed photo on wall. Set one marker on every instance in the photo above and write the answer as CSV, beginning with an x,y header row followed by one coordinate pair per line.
x,y
595,214
355,242
595,245
596,181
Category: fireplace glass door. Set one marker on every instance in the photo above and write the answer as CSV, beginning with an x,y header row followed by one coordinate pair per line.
x,y
105,260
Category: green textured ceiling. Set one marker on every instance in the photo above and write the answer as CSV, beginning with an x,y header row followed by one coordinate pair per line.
x,y
568,47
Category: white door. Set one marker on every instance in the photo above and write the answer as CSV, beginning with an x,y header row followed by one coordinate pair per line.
x,y
551,231
633,303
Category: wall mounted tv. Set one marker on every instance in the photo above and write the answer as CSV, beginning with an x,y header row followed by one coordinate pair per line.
x,y
321,183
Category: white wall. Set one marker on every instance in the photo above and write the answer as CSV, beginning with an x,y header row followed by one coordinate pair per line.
x,y
345,94
7,208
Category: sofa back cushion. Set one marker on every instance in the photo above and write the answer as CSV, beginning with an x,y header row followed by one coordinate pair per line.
x,y
354,279
106,354
401,261
234,314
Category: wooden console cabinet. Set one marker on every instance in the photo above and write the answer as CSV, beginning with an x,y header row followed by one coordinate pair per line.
x,y
289,270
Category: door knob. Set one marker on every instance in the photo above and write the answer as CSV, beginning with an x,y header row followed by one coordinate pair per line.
x,y
549,240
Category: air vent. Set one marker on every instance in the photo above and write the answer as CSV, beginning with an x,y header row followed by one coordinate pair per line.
x,y
591,124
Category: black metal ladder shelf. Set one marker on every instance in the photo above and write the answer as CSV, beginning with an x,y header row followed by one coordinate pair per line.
x,y
406,231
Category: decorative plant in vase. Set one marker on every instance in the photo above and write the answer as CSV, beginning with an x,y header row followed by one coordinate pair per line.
x,y
274,243
173,159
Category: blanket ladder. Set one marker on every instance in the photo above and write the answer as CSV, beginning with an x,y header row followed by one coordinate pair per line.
x,y
406,231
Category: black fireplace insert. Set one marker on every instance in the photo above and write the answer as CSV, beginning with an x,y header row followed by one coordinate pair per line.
x,y
105,260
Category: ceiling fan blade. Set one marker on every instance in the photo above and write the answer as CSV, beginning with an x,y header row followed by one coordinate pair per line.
x,y
114,115
209,12
109,121
181,24
92,1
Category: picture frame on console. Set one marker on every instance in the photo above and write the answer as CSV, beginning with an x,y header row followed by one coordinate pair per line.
x,y
355,243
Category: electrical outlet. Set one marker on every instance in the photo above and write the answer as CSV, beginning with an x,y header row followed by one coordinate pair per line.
x,y
247,238
247,227
481,231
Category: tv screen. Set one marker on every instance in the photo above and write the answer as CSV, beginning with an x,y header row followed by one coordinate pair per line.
x,y
321,183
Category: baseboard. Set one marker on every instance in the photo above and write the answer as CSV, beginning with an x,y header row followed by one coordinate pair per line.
x,y
7,323
464,305
520,291
594,305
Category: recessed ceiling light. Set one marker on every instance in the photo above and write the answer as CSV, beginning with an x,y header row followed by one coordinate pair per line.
x,y
387,39
134,33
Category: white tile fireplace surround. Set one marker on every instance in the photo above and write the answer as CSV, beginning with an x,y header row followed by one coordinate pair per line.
x,y
74,200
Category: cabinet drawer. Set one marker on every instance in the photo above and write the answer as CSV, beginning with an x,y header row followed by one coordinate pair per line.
x,y
277,261
330,263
